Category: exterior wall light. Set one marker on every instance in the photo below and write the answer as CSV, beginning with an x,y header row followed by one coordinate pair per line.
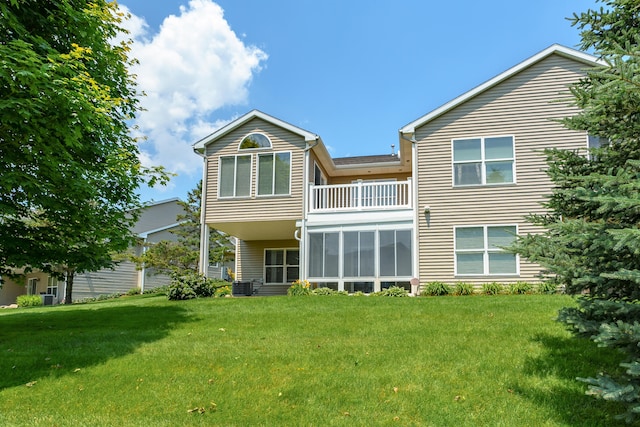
x,y
427,214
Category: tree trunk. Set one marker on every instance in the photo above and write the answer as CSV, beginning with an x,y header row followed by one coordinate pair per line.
x,y
70,273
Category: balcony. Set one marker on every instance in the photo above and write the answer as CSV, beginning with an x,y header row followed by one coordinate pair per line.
x,y
360,196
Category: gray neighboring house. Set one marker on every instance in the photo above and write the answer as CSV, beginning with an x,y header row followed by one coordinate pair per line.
x,y
156,221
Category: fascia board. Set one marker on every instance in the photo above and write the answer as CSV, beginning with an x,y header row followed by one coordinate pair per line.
x,y
587,59
200,145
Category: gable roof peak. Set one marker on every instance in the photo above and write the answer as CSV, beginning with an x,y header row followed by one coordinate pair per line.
x,y
558,49
234,124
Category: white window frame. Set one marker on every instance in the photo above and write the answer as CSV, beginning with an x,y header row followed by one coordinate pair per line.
x,y
483,161
32,286
52,286
240,149
284,265
341,277
324,275
485,251
359,277
235,176
273,176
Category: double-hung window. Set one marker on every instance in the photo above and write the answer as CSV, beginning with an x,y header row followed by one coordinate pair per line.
x,y
235,176
484,160
281,265
478,250
52,286
274,173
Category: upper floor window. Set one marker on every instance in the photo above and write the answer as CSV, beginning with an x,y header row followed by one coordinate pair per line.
x,y
478,250
484,160
235,176
255,140
274,173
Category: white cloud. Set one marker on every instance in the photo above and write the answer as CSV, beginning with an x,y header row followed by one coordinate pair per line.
x,y
192,67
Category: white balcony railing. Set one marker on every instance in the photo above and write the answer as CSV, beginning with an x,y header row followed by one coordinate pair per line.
x,y
360,196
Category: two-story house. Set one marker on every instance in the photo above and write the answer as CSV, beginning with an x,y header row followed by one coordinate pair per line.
x,y
440,209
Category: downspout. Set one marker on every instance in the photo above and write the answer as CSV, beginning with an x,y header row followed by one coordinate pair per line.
x,y
300,235
416,213
203,264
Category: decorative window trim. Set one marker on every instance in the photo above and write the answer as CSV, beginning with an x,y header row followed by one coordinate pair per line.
x,y
273,174
235,176
285,266
483,161
260,136
485,251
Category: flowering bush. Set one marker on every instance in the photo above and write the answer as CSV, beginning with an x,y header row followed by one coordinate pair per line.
x,y
299,287
223,291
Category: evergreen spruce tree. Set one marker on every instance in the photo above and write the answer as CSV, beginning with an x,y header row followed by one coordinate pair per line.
x,y
592,240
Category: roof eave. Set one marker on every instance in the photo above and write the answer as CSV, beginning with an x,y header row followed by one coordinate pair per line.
x,y
587,59
201,145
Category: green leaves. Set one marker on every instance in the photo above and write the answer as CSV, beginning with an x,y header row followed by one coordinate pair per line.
x,y
69,167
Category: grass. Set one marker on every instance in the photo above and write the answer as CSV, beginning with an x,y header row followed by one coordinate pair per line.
x,y
318,361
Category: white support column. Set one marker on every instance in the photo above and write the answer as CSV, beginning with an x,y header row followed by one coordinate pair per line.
x,y
204,250
203,265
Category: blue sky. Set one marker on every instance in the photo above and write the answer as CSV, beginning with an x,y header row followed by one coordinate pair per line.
x,y
353,72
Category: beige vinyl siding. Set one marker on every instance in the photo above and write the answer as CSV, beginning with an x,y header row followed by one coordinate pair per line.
x,y
254,208
350,179
11,290
250,261
520,106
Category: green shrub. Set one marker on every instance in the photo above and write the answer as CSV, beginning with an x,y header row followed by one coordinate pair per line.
x,y
520,288
359,294
547,288
180,291
463,288
29,301
323,291
436,289
493,288
299,288
194,286
394,291
133,291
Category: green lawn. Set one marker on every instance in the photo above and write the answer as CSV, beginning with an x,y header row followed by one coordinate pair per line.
x,y
442,361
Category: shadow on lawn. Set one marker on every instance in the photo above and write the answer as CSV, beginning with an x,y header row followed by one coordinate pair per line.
x,y
46,343
565,359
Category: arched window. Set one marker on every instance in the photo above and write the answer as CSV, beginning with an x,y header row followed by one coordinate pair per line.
x,y
255,140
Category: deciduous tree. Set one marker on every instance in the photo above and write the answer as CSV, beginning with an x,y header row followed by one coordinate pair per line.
x,y
69,167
